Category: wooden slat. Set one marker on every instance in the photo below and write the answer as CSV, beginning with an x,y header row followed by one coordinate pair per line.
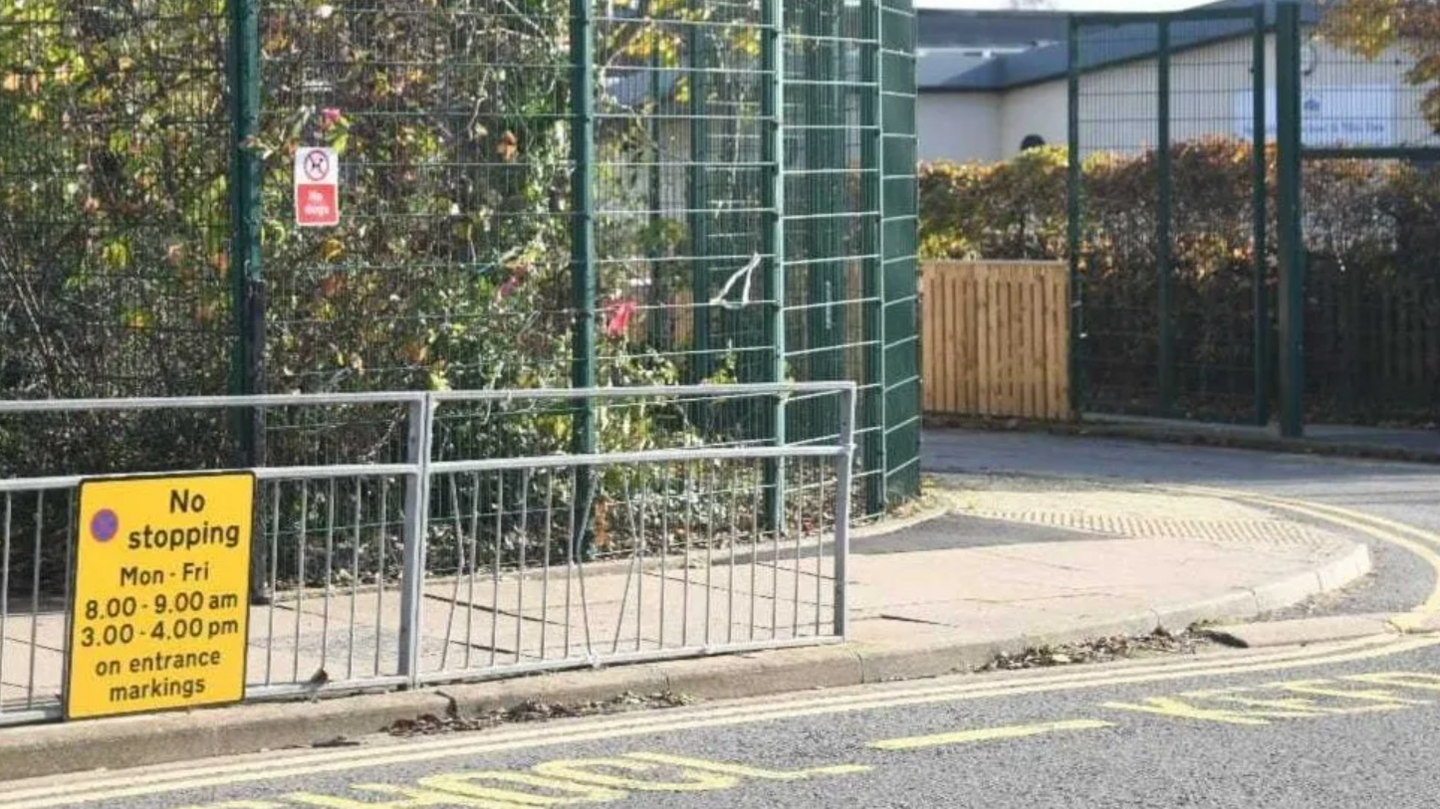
x,y
1024,376
1000,346
929,365
1000,314
1034,337
1047,344
955,352
945,340
1007,316
1034,341
974,311
986,341
934,365
939,388
1059,360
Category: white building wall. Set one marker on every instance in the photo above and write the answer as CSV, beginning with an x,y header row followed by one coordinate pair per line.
x,y
1118,106
1039,109
962,127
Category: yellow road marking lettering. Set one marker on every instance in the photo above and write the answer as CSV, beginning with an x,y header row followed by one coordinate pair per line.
x,y
1324,688
566,783
583,770
743,771
987,734
410,799
148,784
1300,705
239,805
471,784
1303,704
1178,709
1399,679
312,762
1259,709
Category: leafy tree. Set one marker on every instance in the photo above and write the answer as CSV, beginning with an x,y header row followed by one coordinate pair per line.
x,y
452,265
451,268
1369,28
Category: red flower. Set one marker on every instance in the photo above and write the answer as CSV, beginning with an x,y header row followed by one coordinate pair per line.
x,y
620,315
329,116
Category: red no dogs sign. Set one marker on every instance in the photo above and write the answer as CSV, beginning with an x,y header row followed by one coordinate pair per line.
x,y
317,188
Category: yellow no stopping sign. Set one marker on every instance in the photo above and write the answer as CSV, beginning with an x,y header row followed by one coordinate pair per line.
x,y
160,608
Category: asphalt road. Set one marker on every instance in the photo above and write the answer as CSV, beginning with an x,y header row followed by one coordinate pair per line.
x,y
1344,725
1338,726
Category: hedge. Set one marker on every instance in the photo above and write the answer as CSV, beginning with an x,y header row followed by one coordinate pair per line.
x,y
1372,299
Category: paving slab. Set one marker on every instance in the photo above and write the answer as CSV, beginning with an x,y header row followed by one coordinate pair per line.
x,y
942,595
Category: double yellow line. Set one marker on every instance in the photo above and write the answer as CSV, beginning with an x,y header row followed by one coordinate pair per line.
x,y
117,786
109,787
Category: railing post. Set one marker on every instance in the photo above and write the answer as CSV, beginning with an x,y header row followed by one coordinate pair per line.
x,y
582,259
1074,213
247,298
872,159
773,154
658,307
845,463
1262,288
1292,270
417,518
701,364
1164,215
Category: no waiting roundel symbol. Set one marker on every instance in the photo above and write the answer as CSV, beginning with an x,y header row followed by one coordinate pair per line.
x,y
317,166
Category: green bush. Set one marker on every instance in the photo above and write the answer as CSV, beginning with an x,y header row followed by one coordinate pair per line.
x,y
1372,300
451,268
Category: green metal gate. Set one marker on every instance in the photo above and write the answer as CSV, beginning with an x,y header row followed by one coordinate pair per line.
x,y
1365,215
1247,264
1173,293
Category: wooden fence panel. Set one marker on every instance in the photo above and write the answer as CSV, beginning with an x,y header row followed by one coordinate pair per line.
x,y
996,339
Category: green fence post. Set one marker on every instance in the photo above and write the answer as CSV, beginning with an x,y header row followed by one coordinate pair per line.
x,y
1163,216
877,465
658,317
900,205
1262,290
772,110
823,270
1074,214
1292,281
838,294
247,355
582,257
247,373
814,265
701,364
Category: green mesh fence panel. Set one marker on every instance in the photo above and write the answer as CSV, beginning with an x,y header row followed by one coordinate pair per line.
x,y
900,316
473,194
1370,228
1172,269
114,221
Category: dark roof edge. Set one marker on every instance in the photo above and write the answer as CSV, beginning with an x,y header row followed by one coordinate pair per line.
x,y
1044,65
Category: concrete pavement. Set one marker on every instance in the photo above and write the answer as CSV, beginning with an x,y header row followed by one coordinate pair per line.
x,y
1004,566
